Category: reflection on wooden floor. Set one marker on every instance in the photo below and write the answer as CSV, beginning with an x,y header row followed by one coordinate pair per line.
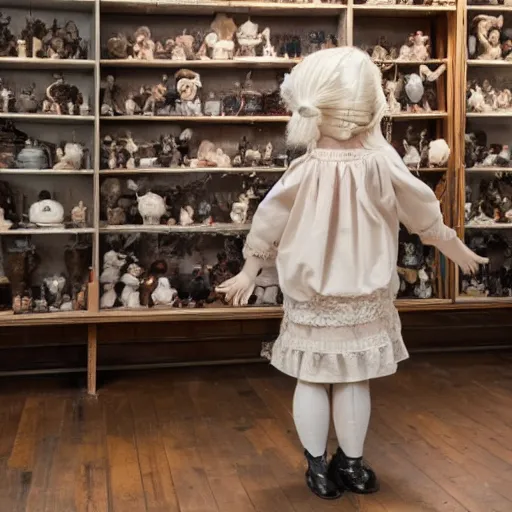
x,y
222,439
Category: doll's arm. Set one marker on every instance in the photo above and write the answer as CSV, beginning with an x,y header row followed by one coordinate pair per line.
x,y
267,228
420,212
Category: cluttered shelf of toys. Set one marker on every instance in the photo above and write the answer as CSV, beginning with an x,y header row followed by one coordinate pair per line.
x,y
236,62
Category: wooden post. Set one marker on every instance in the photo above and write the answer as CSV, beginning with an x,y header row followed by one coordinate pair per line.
x,y
92,350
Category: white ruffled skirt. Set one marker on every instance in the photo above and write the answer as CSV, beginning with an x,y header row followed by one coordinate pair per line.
x,y
339,339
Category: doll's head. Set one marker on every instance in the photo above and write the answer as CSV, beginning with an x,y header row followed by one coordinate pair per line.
x,y
335,93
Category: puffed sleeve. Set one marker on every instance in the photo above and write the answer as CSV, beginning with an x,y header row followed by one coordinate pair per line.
x,y
272,215
418,208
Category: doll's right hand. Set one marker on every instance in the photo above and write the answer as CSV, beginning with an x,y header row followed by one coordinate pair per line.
x,y
461,255
238,289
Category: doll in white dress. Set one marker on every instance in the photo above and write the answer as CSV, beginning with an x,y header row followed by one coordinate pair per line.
x,y
331,224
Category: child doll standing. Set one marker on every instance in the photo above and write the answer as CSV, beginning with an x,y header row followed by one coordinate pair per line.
x,y
331,224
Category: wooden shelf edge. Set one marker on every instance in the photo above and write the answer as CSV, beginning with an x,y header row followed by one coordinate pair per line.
x,y
48,117
199,119
50,172
47,231
162,229
490,63
405,8
184,170
36,63
256,62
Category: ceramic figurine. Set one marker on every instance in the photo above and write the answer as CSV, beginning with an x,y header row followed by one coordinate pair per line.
x,y
188,84
144,47
269,51
130,106
70,159
130,296
84,108
414,88
391,94
248,39
438,153
252,157
503,158
267,156
61,98
210,156
488,35
5,224
504,99
186,216
79,215
33,156
419,50
6,98
109,105
112,263
156,98
240,208
412,157
164,294
109,296
178,53
54,287
476,101
219,43
67,304
116,216
27,101
423,290
46,212
151,206
7,39
212,106
118,47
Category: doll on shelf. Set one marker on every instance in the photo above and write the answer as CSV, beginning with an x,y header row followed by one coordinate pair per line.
x,y
336,263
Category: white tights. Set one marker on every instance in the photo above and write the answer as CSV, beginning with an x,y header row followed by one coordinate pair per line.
x,y
351,413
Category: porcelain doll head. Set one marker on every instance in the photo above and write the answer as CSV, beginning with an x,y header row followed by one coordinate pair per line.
x,y
335,93
494,37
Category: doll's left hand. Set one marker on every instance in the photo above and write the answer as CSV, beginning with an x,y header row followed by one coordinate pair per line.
x,y
238,289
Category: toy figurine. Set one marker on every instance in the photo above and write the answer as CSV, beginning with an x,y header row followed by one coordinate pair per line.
x,y
219,43
46,212
420,50
156,98
488,35
186,216
5,224
109,106
269,51
438,153
412,157
7,40
248,39
130,296
267,156
240,208
70,158
6,98
62,98
188,84
144,47
79,215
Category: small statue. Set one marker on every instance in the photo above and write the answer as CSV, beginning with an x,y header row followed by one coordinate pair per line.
x,y
164,294
151,206
130,296
412,157
438,153
7,39
144,47
21,48
188,84
131,107
252,157
423,290
157,97
420,50
118,47
62,98
79,215
5,224
391,93
267,155
476,100
67,303
6,98
488,35
219,43
116,216
269,51
212,106
71,158
248,39
109,105
241,207
186,216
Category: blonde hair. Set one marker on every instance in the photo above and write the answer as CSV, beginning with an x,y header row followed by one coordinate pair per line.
x,y
336,93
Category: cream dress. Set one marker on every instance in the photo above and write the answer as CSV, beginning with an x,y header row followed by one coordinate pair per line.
x,y
331,223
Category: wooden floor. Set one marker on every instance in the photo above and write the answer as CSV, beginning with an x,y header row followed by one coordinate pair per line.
x,y
222,439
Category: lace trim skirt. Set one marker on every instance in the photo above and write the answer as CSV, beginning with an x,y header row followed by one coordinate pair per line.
x,y
338,339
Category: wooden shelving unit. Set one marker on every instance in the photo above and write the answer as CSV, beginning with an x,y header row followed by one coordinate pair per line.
x,y
354,24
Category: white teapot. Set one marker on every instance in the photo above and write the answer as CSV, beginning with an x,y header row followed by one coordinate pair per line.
x,y
151,208
46,212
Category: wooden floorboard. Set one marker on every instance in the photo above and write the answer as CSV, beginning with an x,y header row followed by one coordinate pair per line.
x,y
222,439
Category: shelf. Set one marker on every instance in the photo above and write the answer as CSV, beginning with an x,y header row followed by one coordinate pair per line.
x,y
488,63
398,10
429,169
71,5
483,115
199,119
57,64
46,231
488,169
48,118
466,299
199,7
256,62
409,116
489,226
140,228
45,171
499,8
187,170
411,62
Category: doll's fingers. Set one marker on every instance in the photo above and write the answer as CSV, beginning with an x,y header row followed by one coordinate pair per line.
x,y
247,295
223,287
238,298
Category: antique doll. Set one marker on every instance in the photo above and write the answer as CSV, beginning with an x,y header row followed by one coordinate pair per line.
x,y
331,224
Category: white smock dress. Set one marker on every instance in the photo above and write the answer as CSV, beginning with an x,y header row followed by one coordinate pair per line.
x,y
331,223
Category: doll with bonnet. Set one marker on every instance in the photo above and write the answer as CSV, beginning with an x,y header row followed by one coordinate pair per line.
x,y
331,226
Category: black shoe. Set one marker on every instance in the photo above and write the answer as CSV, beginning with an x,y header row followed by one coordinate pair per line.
x,y
352,474
317,478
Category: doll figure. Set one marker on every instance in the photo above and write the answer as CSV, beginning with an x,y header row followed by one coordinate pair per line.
x,y
340,326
